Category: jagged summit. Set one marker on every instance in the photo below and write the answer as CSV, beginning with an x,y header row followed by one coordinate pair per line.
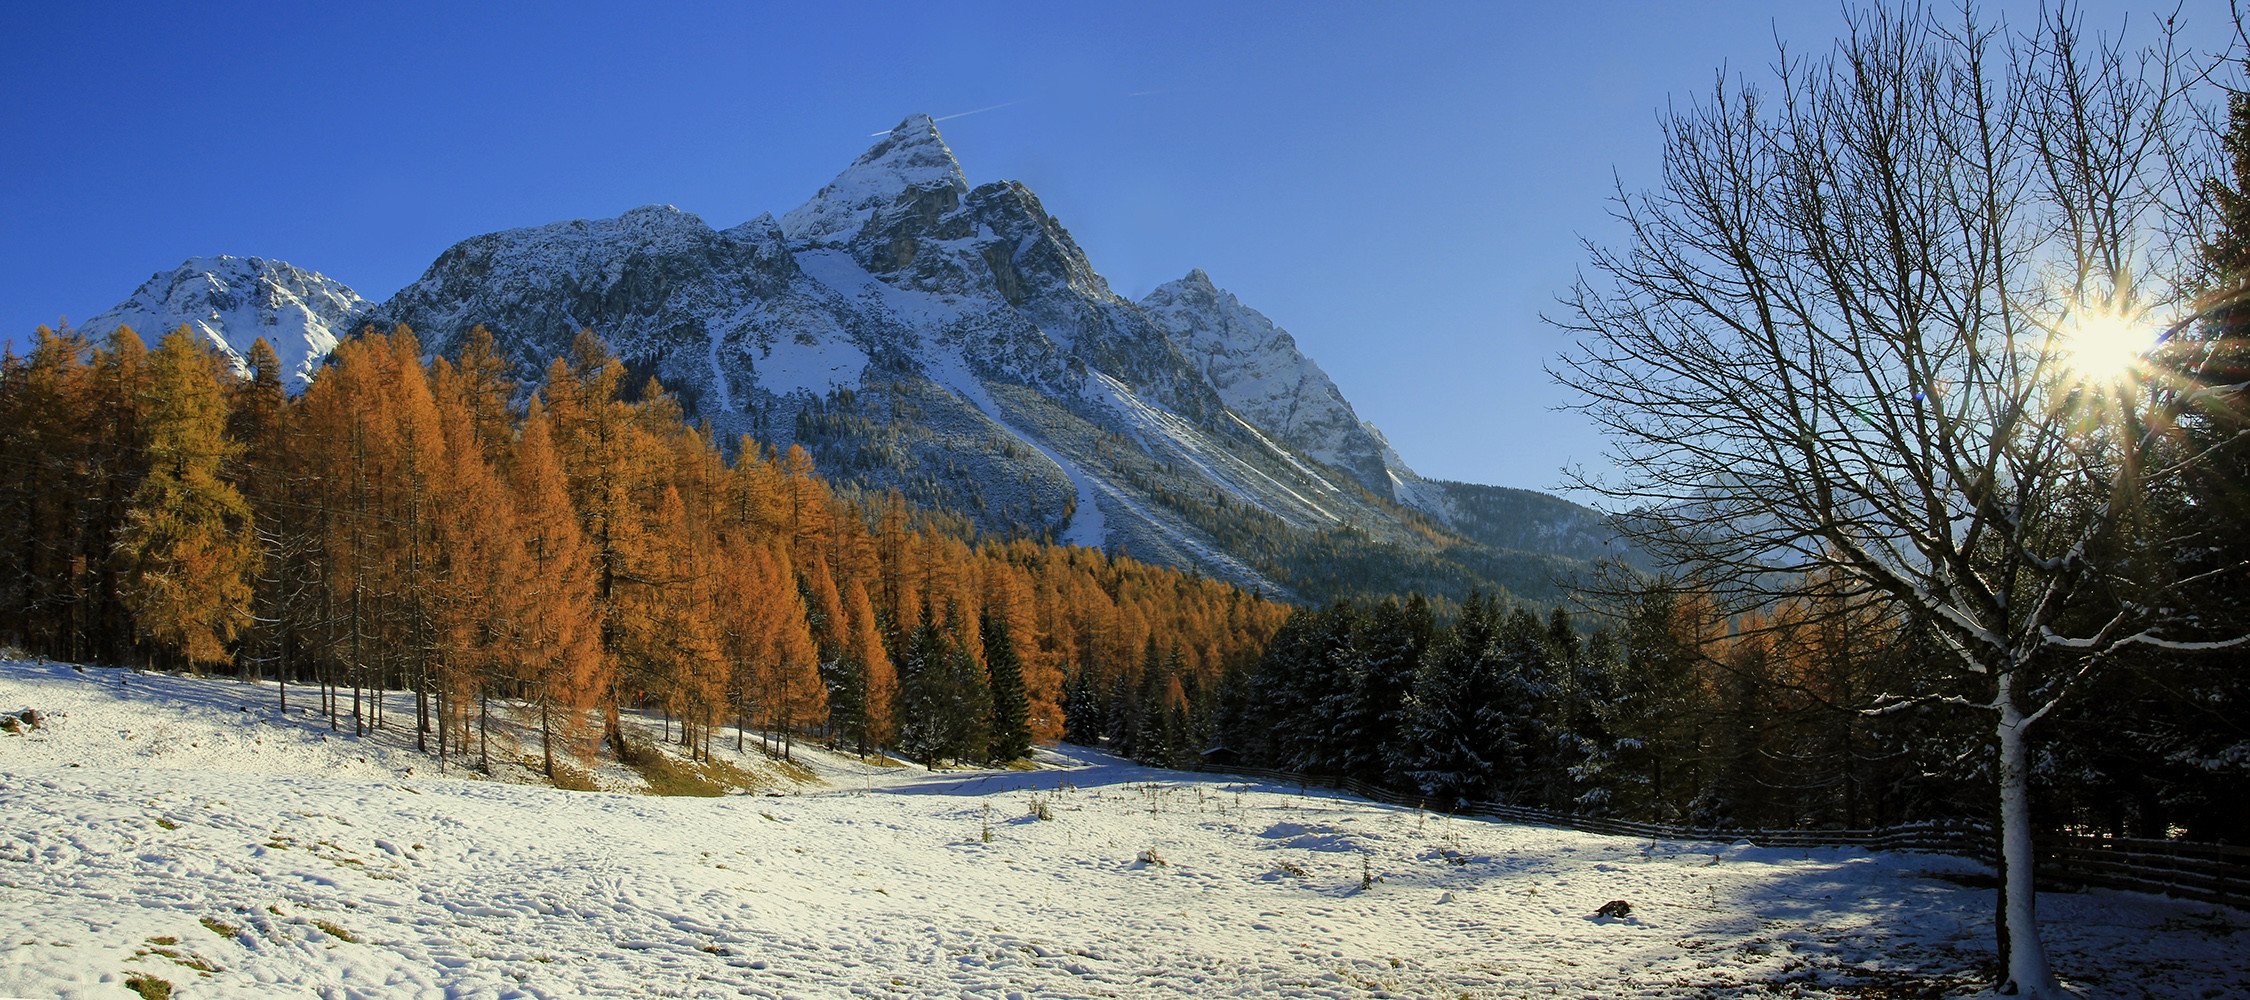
x,y
234,301
910,170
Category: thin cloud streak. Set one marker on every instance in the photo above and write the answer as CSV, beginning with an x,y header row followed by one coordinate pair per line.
x,y
957,114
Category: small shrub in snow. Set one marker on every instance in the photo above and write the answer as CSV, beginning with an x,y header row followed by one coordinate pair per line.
x,y
1151,857
1615,909
1040,809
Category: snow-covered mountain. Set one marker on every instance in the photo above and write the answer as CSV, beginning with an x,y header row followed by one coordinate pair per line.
x,y
234,301
953,341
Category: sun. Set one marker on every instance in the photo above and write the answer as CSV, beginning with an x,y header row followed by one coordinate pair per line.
x,y
2102,346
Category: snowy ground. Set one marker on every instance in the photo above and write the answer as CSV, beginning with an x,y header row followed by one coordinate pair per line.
x,y
204,839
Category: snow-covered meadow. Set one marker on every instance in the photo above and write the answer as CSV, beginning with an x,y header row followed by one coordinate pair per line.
x,y
185,830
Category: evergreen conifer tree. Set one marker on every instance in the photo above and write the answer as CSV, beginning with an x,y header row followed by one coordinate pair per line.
x,y
946,706
1129,704
1451,734
1524,755
1083,715
1592,693
1011,721
1391,643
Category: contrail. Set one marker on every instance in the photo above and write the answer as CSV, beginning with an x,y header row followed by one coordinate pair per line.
x,y
978,111
958,114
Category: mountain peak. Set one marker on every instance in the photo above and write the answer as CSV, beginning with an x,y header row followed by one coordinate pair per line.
x,y
232,301
908,162
1261,375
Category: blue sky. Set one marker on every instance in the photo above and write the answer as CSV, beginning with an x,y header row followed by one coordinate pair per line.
x,y
1403,187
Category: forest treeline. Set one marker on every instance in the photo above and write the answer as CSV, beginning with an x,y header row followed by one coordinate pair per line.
x,y
577,549
1674,712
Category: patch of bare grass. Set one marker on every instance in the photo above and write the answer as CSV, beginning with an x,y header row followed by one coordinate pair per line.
x,y
569,778
667,775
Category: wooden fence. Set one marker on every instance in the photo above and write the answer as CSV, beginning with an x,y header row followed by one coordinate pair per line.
x,y
2209,873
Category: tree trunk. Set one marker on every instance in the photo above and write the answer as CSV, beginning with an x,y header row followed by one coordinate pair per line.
x,y
2026,972
546,739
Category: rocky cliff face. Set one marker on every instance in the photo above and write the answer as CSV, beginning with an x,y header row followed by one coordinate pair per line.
x,y
1258,373
727,320
955,342
233,301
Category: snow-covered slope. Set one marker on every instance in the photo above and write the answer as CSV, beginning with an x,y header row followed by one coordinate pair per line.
x,y
1258,372
234,301
187,831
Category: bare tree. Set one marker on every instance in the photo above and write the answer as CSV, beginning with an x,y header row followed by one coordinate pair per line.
x,y
1853,332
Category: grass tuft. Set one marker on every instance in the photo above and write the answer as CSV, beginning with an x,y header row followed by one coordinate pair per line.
x,y
222,930
336,932
149,987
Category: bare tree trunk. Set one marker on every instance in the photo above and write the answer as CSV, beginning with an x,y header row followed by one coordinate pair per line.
x,y
2025,970
546,739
